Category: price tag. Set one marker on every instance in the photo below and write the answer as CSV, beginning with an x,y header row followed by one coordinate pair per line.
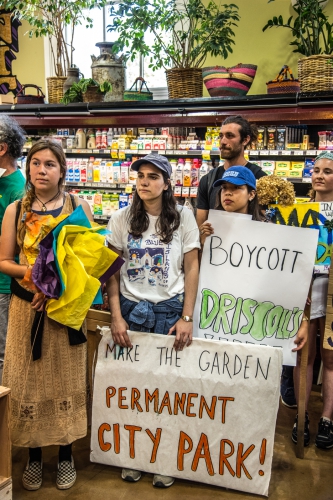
x,y
95,150
311,152
130,151
80,183
299,153
253,152
128,188
285,152
114,153
274,152
122,154
264,152
193,192
185,192
161,152
178,153
177,191
308,180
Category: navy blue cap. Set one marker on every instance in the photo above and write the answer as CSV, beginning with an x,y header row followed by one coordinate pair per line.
x,y
239,176
159,161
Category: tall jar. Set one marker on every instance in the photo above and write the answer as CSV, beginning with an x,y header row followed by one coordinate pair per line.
x,y
109,67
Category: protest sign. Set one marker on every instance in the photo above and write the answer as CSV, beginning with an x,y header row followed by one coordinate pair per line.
x,y
253,283
311,215
206,413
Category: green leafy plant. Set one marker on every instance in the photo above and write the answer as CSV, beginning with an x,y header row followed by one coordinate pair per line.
x,y
311,29
76,91
185,32
50,18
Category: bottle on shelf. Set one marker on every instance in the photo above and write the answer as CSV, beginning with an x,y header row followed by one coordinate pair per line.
x,y
203,169
91,144
173,164
195,173
104,139
110,138
80,139
103,171
179,172
98,139
187,173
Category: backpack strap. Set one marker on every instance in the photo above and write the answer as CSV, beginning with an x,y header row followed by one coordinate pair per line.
x,y
73,201
18,210
215,175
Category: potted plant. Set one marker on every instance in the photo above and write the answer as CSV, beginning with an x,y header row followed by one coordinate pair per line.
x,y
185,33
50,18
86,90
313,38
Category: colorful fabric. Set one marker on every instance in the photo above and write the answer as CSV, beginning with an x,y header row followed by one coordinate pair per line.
x,y
83,259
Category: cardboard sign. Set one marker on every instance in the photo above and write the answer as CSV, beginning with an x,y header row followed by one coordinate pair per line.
x,y
316,216
253,284
206,413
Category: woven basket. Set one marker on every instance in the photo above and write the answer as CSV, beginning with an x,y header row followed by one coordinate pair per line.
x,y
92,94
55,88
184,83
315,73
235,81
284,83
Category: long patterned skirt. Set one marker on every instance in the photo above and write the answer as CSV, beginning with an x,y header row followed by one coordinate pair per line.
x,y
49,395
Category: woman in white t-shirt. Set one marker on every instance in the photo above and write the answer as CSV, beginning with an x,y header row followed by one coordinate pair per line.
x,y
155,289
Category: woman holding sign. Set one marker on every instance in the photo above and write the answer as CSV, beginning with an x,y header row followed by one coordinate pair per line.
x,y
237,194
156,288
322,183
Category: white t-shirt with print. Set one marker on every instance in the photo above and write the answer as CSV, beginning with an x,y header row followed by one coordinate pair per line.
x,y
152,270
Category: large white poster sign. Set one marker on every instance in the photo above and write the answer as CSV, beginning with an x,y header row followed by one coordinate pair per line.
x,y
206,413
254,281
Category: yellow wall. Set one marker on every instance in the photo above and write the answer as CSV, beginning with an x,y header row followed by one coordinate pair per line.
x,y
269,50
29,64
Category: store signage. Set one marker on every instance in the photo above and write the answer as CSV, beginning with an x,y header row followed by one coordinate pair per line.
x,y
8,45
253,283
206,413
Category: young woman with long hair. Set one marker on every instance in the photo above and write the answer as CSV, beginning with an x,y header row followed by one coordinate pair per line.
x,y
44,369
156,288
322,191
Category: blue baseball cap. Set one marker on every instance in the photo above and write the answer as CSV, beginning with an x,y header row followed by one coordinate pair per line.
x,y
239,176
159,161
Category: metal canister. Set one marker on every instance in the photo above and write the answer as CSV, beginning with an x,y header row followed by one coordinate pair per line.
x,y
107,66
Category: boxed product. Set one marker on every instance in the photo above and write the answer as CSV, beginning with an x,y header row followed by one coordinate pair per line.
x,y
282,173
322,139
280,138
267,164
295,173
282,165
307,172
271,137
297,165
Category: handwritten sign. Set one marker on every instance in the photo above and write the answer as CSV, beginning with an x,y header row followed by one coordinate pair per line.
x,y
253,283
206,413
316,216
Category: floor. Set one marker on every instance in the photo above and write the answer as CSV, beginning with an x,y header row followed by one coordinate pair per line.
x,y
292,479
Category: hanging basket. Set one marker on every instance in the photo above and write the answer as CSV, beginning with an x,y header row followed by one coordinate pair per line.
x,y
184,83
55,88
92,94
315,73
